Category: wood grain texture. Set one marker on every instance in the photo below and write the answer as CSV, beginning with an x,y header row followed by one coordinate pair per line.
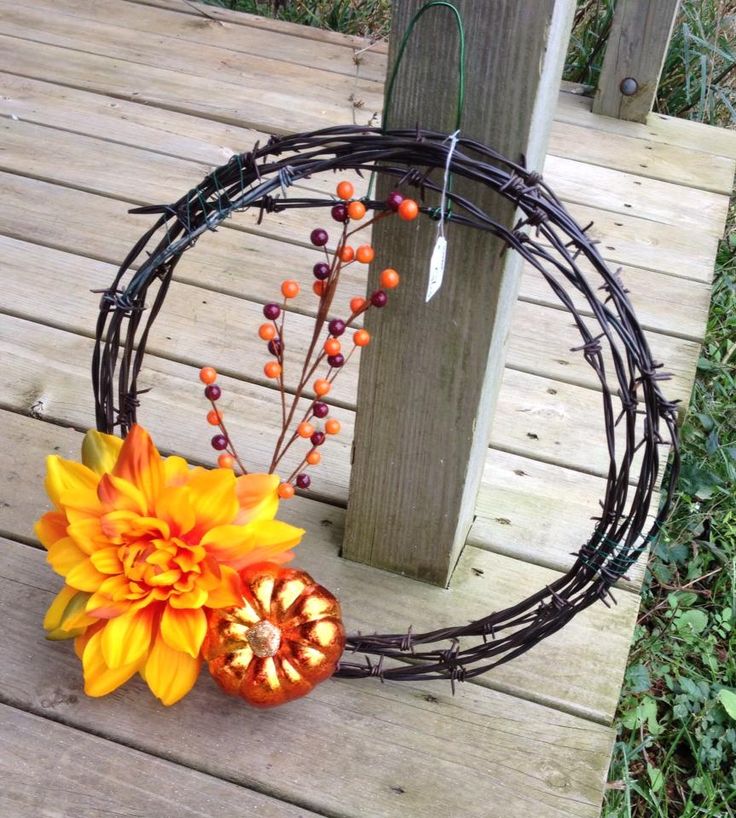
x,y
373,599
50,770
446,358
636,48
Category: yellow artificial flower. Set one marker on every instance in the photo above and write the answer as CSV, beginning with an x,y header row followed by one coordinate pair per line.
x,y
145,544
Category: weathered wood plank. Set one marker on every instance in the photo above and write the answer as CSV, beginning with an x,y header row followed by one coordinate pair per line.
x,y
258,106
635,52
191,137
257,21
657,130
50,770
375,599
484,753
261,41
101,166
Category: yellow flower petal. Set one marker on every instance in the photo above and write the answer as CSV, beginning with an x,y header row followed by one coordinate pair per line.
x,y
99,679
64,477
140,464
56,610
170,674
64,555
51,527
107,561
87,533
127,638
176,471
85,577
212,497
228,594
257,496
183,629
194,598
232,544
100,451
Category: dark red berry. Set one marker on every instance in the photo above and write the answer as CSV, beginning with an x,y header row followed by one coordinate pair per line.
x,y
339,213
219,442
304,481
321,270
318,438
336,361
320,409
379,298
212,392
336,327
394,200
274,347
319,237
272,311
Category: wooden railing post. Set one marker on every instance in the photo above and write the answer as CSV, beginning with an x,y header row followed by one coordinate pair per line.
x,y
635,52
428,385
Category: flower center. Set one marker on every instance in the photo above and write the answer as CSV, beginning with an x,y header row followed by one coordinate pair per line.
x,y
264,639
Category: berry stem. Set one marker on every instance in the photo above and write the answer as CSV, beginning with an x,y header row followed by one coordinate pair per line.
x,y
231,446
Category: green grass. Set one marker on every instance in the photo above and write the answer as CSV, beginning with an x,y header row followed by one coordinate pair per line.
x,y
675,755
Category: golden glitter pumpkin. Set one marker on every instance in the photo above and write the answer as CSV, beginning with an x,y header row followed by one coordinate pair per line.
x,y
284,639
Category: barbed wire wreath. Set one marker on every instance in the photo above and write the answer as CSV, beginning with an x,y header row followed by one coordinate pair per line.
x,y
550,240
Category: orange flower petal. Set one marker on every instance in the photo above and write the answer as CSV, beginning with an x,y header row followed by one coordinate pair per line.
x,y
183,629
173,506
257,496
261,555
84,576
232,544
176,471
51,527
229,593
64,555
212,497
121,495
170,674
99,678
140,464
100,451
67,477
127,638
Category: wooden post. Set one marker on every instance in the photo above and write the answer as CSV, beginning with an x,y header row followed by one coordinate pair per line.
x,y
428,385
635,52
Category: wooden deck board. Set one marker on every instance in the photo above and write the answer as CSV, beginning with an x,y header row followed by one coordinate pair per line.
x,y
58,771
91,94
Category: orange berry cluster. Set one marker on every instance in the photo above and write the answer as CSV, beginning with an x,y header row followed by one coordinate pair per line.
x,y
346,212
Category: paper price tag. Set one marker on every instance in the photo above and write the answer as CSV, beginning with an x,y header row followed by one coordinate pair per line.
x,y
436,267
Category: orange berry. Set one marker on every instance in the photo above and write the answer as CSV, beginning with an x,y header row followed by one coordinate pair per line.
x,y
346,253
272,369
214,416
286,491
389,278
357,304
305,429
362,338
225,461
290,288
345,190
332,426
319,288
408,210
356,210
322,387
267,332
313,458
208,375
332,346
365,254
